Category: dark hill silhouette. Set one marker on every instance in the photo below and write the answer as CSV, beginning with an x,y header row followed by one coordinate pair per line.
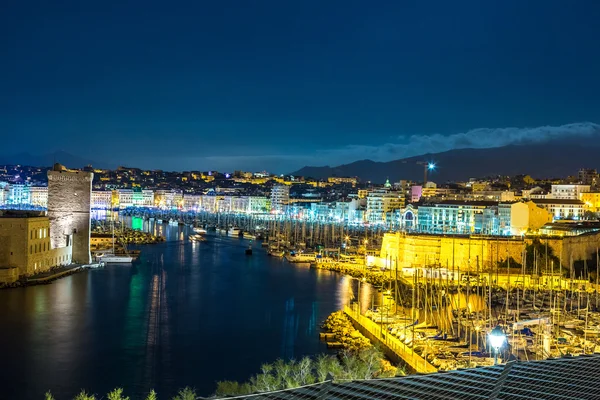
x,y
539,160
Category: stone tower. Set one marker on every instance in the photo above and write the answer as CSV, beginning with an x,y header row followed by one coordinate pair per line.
x,y
69,197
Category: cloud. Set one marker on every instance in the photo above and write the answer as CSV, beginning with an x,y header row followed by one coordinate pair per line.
x,y
479,138
406,146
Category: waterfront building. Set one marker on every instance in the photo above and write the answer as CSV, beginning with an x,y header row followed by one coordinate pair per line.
x,y
101,199
561,208
168,199
458,217
519,218
223,204
39,196
3,193
240,204
192,202
18,195
382,201
209,203
280,197
591,201
258,204
25,245
125,198
571,192
69,204
143,198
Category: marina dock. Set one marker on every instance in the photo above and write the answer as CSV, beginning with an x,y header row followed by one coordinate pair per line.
x,y
393,345
50,276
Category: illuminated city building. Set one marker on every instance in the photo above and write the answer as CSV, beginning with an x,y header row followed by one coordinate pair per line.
x,y
280,197
25,245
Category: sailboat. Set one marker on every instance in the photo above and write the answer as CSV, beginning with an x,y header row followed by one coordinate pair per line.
x,y
113,258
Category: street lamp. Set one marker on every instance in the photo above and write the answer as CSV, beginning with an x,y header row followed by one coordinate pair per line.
x,y
497,338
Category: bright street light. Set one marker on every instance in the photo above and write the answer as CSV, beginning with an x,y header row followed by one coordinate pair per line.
x,y
497,338
431,166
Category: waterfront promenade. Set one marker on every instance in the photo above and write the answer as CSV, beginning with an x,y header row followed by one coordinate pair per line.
x,y
393,345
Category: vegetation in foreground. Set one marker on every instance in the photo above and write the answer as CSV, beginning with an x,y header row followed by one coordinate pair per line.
x,y
366,363
347,365
117,394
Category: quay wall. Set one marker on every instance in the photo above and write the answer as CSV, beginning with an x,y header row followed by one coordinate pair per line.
x,y
465,252
392,347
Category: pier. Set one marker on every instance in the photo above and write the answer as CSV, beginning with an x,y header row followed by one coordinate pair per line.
x,y
48,277
399,351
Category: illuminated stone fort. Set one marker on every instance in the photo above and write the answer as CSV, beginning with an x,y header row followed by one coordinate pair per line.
x,y
69,197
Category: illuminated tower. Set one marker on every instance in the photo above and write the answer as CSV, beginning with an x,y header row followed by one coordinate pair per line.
x,y
69,197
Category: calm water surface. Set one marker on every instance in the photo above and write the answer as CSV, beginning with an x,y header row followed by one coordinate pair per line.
x,y
185,314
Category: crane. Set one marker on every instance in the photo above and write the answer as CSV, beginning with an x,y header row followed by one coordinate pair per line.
x,y
427,166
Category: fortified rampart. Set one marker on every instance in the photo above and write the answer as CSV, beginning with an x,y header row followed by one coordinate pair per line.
x,y
69,197
466,252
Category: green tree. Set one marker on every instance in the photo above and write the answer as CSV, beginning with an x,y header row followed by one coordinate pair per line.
x,y
84,396
48,396
186,393
117,394
152,395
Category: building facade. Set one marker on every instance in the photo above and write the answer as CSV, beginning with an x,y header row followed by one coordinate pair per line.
x,y
280,197
562,208
382,201
25,246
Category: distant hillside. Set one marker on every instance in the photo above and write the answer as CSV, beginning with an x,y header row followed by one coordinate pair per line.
x,y
537,160
47,160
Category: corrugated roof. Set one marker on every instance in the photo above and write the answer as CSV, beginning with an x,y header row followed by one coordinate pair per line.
x,y
555,379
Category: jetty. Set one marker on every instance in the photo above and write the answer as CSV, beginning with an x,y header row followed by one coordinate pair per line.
x,y
394,348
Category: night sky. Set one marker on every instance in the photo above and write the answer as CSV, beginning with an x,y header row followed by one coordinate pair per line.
x,y
280,84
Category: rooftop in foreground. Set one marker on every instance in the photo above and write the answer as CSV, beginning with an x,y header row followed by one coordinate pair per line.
x,y
553,379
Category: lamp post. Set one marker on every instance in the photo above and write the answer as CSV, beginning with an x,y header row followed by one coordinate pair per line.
x,y
497,338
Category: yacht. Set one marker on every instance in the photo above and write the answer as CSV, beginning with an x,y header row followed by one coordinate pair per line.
x,y
301,257
173,222
248,235
200,231
233,232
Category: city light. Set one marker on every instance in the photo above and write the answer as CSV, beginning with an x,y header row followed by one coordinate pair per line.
x,y
497,338
431,166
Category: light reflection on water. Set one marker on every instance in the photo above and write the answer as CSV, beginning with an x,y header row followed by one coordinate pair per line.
x,y
184,314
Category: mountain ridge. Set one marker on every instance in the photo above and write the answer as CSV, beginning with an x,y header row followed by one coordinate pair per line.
x,y
540,160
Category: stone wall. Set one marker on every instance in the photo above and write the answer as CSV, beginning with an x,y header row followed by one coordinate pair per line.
x,y
69,198
477,252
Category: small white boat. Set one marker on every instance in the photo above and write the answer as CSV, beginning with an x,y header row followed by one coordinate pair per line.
x,y
200,231
173,222
111,258
248,235
233,232
301,257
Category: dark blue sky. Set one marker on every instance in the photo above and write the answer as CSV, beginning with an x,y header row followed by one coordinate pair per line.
x,y
281,84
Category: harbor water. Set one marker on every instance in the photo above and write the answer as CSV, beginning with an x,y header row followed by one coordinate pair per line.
x,y
184,314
